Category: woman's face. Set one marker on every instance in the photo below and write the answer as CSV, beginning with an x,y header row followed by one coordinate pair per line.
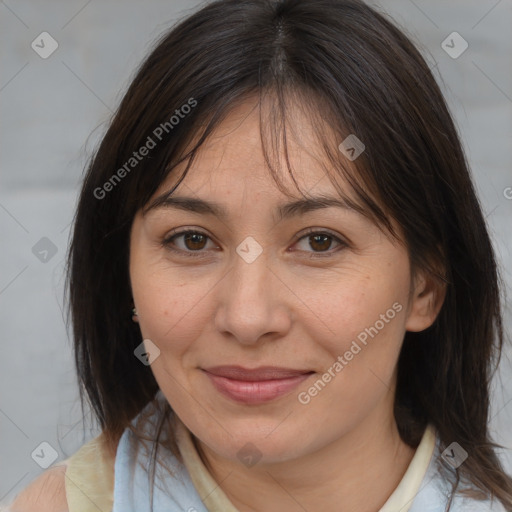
x,y
254,289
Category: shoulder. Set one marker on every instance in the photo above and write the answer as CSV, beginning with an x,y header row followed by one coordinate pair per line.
x,y
47,493
61,488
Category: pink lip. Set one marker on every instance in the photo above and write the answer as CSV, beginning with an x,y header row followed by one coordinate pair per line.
x,y
255,386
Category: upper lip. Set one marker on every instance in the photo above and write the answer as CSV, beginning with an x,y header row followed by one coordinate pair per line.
x,y
255,374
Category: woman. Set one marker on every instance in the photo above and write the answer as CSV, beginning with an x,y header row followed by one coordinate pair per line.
x,y
320,336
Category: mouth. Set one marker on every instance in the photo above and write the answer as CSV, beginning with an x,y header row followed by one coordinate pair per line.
x,y
255,386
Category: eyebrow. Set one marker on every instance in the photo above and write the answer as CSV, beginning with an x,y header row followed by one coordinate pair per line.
x,y
284,211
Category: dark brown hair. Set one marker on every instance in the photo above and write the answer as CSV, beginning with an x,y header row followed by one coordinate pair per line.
x,y
355,73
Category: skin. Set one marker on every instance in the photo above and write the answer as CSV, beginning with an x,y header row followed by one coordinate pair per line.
x,y
342,450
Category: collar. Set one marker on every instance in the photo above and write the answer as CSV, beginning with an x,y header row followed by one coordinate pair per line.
x,y
215,500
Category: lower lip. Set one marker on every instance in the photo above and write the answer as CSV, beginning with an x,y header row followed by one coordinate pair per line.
x,y
255,392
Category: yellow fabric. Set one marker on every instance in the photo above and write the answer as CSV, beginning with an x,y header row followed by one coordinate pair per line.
x,y
210,492
216,500
406,491
90,476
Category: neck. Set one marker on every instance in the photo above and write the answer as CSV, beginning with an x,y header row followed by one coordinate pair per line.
x,y
357,472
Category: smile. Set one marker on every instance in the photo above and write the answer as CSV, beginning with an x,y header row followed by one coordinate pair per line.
x,y
257,391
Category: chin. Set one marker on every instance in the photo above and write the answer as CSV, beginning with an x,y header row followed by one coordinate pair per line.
x,y
250,445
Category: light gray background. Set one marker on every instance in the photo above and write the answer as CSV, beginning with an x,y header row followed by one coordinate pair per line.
x,y
52,114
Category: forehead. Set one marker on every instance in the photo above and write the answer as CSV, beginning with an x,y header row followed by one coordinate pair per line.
x,y
232,161
231,173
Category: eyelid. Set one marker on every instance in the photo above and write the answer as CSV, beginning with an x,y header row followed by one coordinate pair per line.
x,y
175,233
343,242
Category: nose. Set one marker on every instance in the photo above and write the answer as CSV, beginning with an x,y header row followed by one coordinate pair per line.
x,y
252,302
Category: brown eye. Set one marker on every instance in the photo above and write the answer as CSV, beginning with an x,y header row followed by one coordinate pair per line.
x,y
192,243
318,242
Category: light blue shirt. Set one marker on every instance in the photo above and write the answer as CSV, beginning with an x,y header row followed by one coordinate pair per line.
x,y
178,494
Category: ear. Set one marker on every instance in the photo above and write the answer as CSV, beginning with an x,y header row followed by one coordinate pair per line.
x,y
135,316
427,297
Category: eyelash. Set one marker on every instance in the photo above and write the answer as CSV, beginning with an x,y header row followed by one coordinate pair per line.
x,y
167,243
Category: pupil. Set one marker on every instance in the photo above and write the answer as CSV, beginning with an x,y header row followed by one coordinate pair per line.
x,y
317,238
193,238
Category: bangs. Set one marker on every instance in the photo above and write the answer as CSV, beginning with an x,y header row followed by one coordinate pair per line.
x,y
278,107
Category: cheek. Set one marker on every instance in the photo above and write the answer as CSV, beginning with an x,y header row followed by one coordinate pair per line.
x,y
363,331
172,305
352,305
358,373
